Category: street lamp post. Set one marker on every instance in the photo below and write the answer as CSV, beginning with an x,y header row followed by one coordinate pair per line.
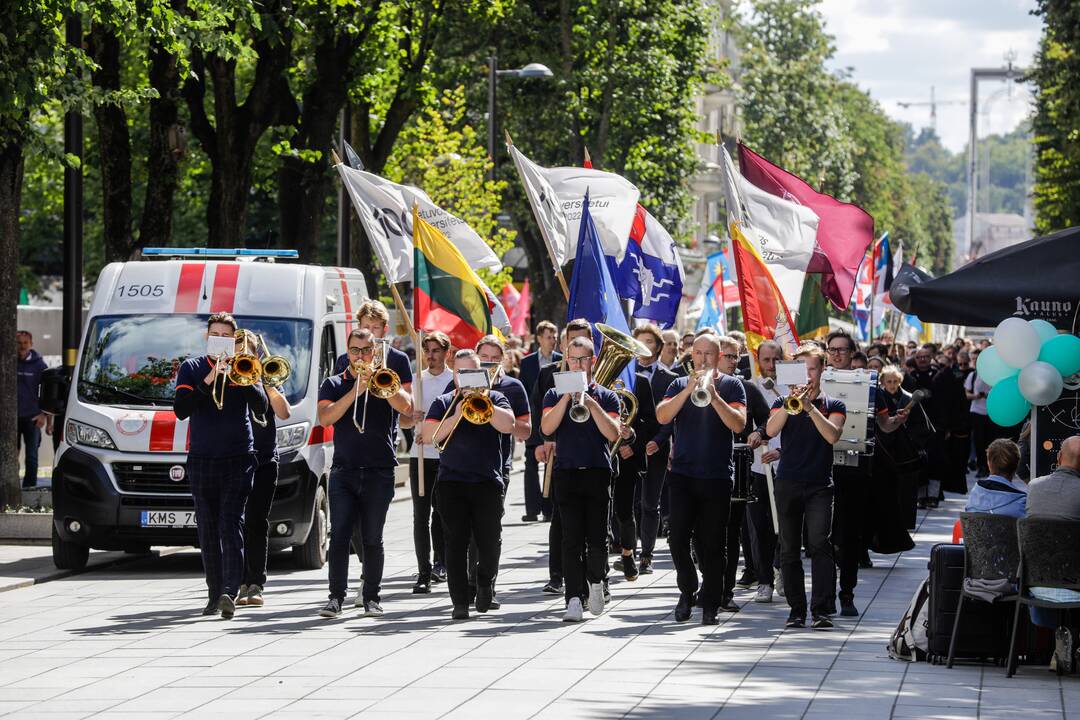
x,y
532,70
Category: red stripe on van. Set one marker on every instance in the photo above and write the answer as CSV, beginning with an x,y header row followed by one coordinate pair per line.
x,y
224,288
320,434
188,287
162,429
346,299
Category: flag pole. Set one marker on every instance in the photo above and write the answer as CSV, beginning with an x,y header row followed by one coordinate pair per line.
x,y
547,243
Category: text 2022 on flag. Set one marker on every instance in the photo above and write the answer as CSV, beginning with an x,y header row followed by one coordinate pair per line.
x,y
447,294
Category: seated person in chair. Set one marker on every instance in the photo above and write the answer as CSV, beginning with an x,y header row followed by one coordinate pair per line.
x,y
1000,494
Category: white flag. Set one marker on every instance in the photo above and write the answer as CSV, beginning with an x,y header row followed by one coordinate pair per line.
x,y
612,203
784,232
385,209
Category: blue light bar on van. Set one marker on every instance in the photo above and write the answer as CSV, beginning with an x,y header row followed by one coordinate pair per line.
x,y
217,252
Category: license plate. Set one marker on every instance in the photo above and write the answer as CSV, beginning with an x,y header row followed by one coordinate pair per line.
x,y
168,518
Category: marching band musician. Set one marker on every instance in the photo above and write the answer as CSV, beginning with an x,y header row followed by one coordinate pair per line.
x,y
701,473
470,486
547,338
804,491
257,510
221,462
581,478
427,527
362,475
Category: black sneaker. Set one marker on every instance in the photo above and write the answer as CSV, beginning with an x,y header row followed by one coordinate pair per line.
x,y
865,562
438,573
211,607
529,518
747,580
684,607
553,587
372,608
332,609
1063,650
795,621
617,565
227,606
709,617
629,567
483,599
495,604
461,612
646,565
821,622
422,587
728,604
847,607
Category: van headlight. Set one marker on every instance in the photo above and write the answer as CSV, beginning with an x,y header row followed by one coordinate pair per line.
x,y
291,437
83,434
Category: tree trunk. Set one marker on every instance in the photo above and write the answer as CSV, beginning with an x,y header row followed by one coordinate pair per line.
x,y
115,146
166,149
11,175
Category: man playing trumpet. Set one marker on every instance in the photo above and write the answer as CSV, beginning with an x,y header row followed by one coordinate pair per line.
x,y
469,488
707,409
808,424
362,476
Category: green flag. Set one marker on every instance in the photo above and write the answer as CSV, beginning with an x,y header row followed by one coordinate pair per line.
x,y
813,318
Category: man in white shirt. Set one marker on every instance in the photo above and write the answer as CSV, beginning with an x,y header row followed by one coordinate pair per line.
x,y
427,529
669,350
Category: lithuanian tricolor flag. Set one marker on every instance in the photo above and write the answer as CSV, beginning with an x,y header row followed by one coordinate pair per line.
x,y
447,294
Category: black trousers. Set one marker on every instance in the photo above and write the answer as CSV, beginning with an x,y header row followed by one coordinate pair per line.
x,y
699,514
427,527
220,487
799,504
474,552
851,509
582,498
652,489
981,436
535,502
762,535
257,523
470,510
626,486
736,524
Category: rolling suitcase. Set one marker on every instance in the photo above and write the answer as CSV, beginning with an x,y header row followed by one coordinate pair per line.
x,y
984,627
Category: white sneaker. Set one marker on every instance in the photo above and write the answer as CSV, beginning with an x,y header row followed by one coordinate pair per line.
x,y
596,598
358,601
778,583
573,611
764,594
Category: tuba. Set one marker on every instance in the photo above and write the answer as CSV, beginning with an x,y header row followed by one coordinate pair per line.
x,y
617,349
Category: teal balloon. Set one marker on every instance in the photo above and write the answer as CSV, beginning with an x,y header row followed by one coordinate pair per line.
x,y
1006,405
992,369
1044,329
1063,352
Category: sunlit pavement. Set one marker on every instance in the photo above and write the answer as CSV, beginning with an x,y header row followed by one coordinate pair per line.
x,y
129,639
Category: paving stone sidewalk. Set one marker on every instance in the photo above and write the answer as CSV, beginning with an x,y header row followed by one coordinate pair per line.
x,y
128,641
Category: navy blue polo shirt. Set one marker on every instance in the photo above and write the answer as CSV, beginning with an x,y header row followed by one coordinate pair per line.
x,y
265,437
805,456
395,360
703,443
215,433
519,405
375,447
581,445
474,453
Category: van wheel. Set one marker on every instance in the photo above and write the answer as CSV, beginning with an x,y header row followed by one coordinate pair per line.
x,y
312,554
68,555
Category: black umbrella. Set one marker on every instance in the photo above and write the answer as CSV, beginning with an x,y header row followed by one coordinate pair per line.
x,y
1038,279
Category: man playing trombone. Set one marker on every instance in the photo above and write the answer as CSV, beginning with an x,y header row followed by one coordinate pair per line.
x,y
362,403
469,489
221,458
583,423
708,408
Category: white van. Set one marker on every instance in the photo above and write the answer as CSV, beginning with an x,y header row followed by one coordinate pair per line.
x,y
119,481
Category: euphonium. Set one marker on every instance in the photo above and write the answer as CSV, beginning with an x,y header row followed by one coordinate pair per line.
x,y
793,403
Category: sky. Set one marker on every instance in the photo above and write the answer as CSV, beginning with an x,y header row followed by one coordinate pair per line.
x,y
898,49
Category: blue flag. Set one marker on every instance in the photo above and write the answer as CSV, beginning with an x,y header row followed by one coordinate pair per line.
x,y
651,273
593,295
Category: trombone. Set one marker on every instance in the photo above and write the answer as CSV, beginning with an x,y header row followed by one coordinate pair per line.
x,y
244,369
382,382
476,407
793,403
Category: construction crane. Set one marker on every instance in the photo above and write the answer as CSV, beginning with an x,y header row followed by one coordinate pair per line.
x,y
933,106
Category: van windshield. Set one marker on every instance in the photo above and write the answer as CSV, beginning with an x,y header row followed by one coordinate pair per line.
x,y
133,359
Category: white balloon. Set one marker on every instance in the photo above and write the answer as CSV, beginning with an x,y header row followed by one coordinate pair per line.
x,y
1040,383
1017,342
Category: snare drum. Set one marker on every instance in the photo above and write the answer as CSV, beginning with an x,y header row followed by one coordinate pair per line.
x,y
742,489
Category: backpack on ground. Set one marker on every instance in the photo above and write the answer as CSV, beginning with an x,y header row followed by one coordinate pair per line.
x,y
909,641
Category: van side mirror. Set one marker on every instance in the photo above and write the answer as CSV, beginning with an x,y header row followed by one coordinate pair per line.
x,y
53,395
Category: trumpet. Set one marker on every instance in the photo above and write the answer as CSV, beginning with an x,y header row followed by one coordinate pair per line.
x,y
793,403
244,369
476,407
700,395
578,412
382,382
